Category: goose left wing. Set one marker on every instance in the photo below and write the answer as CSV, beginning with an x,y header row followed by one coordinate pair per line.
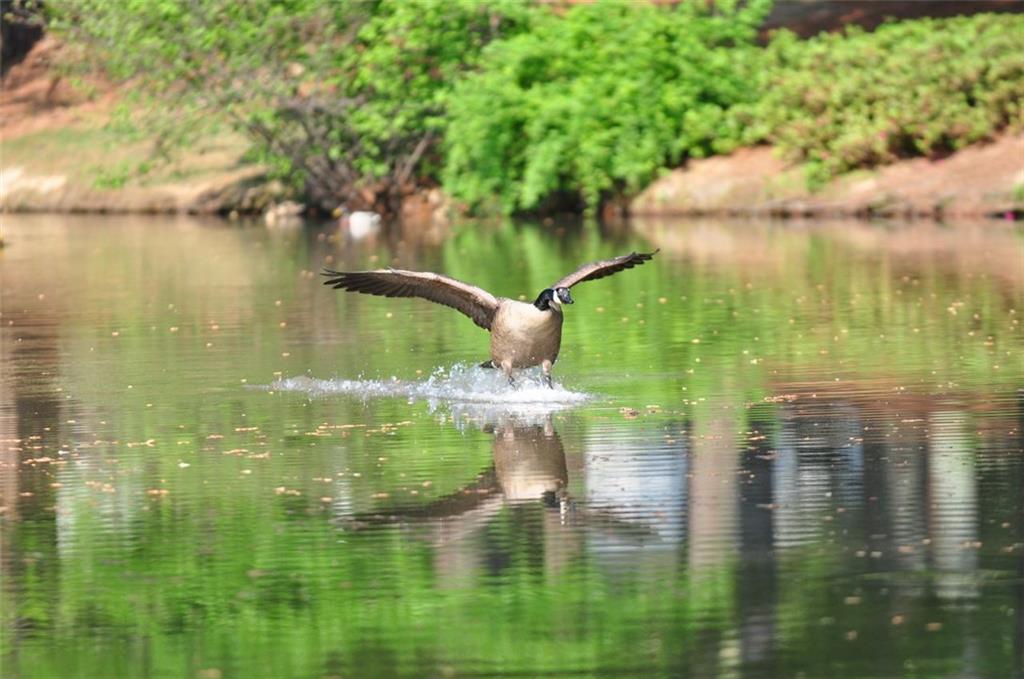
x,y
604,267
475,302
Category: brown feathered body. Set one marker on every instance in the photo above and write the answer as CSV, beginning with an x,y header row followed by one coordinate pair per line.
x,y
523,336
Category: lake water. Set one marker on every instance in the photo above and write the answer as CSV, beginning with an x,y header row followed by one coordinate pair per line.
x,y
773,451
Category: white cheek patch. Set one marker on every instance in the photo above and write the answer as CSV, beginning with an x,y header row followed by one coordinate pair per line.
x,y
555,300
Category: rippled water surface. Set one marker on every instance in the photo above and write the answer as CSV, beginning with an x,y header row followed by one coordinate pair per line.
x,y
774,451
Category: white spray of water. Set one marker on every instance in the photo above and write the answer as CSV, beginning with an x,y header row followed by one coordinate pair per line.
x,y
459,384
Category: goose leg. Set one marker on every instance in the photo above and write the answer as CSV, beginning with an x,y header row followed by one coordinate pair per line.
x,y
506,367
545,366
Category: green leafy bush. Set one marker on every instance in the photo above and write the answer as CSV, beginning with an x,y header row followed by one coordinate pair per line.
x,y
345,98
596,100
857,99
515,105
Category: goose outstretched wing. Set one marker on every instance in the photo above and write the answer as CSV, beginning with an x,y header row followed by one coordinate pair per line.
x,y
604,267
475,302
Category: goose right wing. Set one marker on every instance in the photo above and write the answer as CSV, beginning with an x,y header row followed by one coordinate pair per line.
x,y
475,302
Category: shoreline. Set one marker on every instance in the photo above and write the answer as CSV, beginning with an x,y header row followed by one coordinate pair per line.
x,y
60,155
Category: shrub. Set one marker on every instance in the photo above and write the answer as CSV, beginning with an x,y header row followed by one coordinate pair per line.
x,y
344,98
516,105
597,100
856,99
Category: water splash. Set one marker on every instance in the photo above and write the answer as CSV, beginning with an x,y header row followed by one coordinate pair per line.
x,y
459,384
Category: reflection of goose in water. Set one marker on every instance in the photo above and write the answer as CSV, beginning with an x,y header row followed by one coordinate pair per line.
x,y
529,462
527,485
529,469
523,335
529,466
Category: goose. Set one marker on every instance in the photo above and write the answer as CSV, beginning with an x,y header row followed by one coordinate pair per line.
x,y
523,334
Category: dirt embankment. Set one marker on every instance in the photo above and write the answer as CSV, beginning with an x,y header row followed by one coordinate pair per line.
x,y
59,153
985,180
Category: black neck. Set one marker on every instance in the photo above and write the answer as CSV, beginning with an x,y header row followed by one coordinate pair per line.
x,y
543,301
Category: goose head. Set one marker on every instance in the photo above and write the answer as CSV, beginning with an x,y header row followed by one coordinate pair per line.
x,y
553,298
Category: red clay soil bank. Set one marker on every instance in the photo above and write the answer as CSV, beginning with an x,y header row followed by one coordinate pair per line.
x,y
982,180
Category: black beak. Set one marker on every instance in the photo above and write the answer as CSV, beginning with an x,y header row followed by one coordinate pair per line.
x,y
565,297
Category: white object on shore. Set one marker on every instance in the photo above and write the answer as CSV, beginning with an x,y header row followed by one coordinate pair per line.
x,y
360,224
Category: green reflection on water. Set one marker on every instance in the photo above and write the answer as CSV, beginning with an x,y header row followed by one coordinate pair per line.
x,y
779,510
